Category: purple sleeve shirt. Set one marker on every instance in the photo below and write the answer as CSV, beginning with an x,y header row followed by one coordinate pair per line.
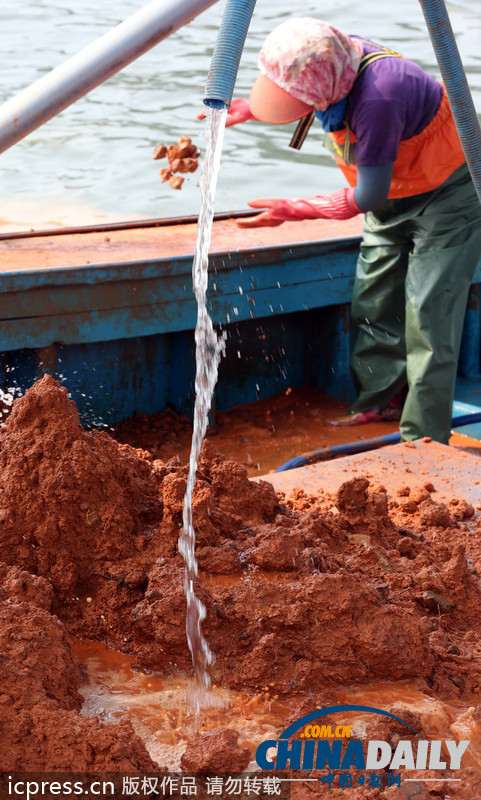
x,y
393,99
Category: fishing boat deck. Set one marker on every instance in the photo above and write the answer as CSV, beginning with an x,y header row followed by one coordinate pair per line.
x,y
116,300
153,239
452,470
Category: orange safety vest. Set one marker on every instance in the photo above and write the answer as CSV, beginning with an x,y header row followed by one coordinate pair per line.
x,y
423,162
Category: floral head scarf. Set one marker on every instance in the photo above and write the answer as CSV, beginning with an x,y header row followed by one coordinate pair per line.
x,y
312,60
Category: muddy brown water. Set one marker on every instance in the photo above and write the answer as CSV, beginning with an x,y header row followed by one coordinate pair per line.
x,y
157,708
261,435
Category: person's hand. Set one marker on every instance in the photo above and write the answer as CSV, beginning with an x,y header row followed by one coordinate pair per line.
x,y
271,217
279,210
338,205
237,112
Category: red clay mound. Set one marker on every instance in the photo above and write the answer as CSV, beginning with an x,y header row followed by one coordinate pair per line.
x,y
299,598
40,726
69,497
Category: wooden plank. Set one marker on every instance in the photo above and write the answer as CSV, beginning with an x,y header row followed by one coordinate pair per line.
x,y
174,285
449,469
43,252
104,301
103,324
126,300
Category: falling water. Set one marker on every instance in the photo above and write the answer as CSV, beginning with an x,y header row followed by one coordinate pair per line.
x,y
208,350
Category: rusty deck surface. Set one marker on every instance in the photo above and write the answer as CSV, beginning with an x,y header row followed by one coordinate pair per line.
x,y
106,246
454,471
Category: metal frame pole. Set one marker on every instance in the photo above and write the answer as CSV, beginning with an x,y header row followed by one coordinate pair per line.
x,y
93,65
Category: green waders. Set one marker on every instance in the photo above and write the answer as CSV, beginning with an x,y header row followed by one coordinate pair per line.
x,y
415,267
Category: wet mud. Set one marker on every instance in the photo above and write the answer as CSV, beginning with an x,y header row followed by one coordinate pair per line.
x,y
308,597
261,435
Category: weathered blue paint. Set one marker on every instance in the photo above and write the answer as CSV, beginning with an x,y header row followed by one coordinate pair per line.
x,y
120,336
106,302
333,336
19,370
107,379
263,357
470,355
181,372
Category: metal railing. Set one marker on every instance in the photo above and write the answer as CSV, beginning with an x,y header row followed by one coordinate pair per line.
x,y
93,65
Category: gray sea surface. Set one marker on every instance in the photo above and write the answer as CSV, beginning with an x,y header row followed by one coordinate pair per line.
x,y
92,163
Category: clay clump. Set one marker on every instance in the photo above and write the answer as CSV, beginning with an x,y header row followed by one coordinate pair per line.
x,y
183,157
214,753
70,498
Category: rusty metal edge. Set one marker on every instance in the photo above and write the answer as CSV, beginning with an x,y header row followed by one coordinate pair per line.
x,y
119,226
282,250
160,222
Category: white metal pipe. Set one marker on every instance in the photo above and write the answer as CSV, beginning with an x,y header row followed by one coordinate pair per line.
x,y
93,65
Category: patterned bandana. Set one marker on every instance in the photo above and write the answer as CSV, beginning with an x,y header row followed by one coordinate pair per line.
x,y
312,60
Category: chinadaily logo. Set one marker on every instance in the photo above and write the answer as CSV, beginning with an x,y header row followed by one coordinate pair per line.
x,y
345,762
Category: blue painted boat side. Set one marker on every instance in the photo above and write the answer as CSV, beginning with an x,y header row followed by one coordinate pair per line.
x,y
120,335
101,303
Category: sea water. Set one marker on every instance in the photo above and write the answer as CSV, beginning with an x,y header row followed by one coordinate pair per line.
x,y
93,162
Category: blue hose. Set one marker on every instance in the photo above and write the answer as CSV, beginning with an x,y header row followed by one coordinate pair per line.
x,y
457,89
227,53
363,445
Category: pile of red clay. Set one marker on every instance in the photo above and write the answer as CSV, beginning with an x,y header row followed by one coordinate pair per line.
x,y
42,729
300,600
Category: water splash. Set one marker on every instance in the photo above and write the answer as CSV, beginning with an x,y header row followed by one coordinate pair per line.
x,y
208,350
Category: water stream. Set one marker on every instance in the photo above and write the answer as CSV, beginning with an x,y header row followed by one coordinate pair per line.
x,y
208,350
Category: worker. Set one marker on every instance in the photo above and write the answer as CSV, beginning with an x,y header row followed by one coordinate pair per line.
x,y
390,127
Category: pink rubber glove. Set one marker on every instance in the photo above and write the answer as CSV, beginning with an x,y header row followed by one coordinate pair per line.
x,y
338,205
238,111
